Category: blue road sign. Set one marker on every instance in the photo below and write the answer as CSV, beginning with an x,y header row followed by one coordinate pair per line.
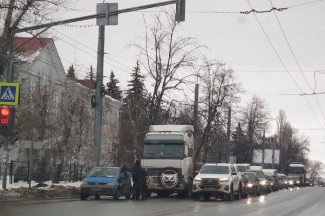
x,y
9,94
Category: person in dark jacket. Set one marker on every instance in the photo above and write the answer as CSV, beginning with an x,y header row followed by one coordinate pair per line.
x,y
137,177
144,184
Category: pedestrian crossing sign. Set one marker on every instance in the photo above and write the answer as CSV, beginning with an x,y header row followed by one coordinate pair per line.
x,y
9,94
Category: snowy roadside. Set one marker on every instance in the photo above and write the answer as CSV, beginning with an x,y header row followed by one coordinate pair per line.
x,y
20,190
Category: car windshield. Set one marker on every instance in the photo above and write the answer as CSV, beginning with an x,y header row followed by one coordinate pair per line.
x,y
241,168
215,170
104,172
250,176
259,174
295,178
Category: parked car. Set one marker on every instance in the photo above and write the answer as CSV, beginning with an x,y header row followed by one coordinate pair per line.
x,y
296,181
109,181
282,182
252,184
219,179
285,181
273,174
290,181
265,185
243,167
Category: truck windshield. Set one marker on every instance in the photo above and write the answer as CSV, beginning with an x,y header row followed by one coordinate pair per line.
x,y
163,151
296,170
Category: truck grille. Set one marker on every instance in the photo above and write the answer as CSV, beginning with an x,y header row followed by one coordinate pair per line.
x,y
209,182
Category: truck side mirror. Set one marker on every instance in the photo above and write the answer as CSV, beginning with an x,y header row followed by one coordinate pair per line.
x,y
190,152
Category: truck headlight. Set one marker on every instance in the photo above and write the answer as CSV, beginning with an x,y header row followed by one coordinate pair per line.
x,y
249,185
224,180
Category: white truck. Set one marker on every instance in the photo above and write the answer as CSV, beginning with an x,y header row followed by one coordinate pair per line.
x,y
298,170
168,158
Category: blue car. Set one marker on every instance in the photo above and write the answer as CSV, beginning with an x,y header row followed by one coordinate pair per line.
x,y
109,181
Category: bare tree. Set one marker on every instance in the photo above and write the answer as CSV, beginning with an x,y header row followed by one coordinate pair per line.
x,y
219,90
17,13
255,116
166,55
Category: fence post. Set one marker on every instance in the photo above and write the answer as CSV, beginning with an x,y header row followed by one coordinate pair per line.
x,y
11,170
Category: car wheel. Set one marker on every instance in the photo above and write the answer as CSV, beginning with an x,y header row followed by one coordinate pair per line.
x,y
230,196
259,193
128,194
117,194
188,192
84,196
97,197
206,196
239,195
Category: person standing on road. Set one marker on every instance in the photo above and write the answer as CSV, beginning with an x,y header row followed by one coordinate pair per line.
x,y
137,177
144,184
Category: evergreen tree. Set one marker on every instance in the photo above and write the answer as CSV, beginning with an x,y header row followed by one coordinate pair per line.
x,y
71,73
136,91
112,88
91,74
239,147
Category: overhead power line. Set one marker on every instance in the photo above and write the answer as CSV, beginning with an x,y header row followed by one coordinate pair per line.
x,y
280,59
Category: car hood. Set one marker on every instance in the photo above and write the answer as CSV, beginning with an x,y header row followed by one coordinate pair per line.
x,y
100,179
206,175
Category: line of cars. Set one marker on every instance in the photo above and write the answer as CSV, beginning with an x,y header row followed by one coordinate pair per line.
x,y
236,181
220,180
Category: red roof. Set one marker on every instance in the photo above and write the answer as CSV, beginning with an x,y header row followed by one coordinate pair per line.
x,y
31,47
88,83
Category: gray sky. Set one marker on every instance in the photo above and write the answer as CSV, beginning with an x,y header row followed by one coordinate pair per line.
x,y
255,46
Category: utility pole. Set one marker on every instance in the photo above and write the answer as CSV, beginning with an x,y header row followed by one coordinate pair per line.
x,y
273,148
195,114
228,134
99,96
263,153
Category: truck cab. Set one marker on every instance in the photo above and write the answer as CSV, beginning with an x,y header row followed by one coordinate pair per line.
x,y
168,157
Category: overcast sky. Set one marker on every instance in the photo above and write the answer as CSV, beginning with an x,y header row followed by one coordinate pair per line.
x,y
277,55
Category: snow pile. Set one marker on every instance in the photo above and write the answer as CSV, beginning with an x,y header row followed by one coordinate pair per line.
x,y
48,190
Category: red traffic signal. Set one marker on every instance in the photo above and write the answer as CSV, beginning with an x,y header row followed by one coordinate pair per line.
x,y
5,114
6,120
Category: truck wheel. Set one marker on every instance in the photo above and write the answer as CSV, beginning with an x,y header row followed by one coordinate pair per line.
x,y
196,196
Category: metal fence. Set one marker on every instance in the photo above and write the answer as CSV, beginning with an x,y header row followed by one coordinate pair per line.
x,y
41,172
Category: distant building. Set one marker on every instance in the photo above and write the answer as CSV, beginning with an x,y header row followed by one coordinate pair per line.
x,y
57,102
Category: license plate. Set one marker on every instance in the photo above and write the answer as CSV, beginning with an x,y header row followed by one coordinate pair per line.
x,y
95,189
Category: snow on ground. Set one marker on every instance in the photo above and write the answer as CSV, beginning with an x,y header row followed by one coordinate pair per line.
x,y
24,184
20,190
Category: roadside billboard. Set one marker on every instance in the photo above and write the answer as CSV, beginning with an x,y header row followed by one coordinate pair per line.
x,y
258,153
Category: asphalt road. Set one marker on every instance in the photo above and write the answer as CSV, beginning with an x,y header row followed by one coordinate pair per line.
x,y
309,201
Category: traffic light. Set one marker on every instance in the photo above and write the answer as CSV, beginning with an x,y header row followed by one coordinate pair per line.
x,y
6,120
180,10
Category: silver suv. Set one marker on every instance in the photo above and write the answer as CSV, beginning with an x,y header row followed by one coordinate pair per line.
x,y
219,179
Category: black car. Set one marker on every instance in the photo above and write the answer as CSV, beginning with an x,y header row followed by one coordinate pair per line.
x,y
252,183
